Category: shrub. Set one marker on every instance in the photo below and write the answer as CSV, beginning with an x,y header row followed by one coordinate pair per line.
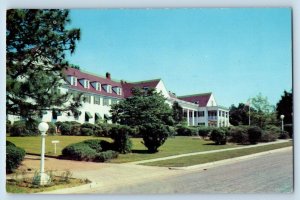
x,y
8,143
98,131
86,131
25,128
94,144
186,130
289,129
75,129
8,126
254,134
238,134
204,131
120,135
88,125
14,157
79,151
102,130
219,136
65,128
154,135
106,155
270,133
284,135
106,145
172,131
52,128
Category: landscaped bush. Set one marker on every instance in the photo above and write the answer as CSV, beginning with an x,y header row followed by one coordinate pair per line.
x,y
90,150
154,135
204,131
283,135
8,126
106,145
186,130
86,131
238,134
289,129
24,128
106,155
120,135
75,128
254,134
52,128
102,130
270,133
219,136
172,131
65,129
14,157
79,151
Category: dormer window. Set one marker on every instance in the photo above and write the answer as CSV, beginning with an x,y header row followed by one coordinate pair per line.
x,y
72,80
96,85
85,83
118,90
107,88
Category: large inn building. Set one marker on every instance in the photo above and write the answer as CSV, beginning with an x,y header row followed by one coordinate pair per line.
x,y
101,92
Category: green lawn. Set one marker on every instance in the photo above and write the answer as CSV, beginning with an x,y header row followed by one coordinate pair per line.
x,y
211,157
173,146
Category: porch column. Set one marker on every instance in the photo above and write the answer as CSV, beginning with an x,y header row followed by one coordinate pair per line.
x,y
188,117
193,118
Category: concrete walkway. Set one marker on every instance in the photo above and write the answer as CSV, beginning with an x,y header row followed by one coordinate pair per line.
x,y
206,152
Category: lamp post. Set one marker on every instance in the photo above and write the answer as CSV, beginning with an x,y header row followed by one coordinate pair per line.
x,y
43,177
282,117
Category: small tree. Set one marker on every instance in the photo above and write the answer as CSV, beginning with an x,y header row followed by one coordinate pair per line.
x,y
177,112
254,134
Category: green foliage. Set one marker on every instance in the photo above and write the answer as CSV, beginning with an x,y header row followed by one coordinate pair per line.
x,y
86,131
65,128
177,112
142,108
270,133
120,135
289,129
102,129
254,134
239,115
204,131
8,143
8,126
219,136
285,107
14,157
25,128
183,130
52,128
37,41
89,150
238,134
106,156
154,135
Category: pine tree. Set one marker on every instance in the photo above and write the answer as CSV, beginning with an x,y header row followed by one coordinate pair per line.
x,y
37,43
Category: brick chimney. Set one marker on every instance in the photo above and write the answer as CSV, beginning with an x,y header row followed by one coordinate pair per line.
x,y
107,75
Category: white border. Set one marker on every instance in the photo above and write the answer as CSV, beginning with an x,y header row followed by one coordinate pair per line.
x,y
6,4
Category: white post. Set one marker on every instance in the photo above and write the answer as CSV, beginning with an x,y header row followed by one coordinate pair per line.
x,y
193,118
282,117
188,117
43,178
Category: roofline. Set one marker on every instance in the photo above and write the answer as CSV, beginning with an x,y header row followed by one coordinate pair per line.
x,y
94,74
192,95
145,81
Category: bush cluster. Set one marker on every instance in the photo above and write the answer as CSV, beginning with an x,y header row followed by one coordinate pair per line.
x,y
289,128
270,133
238,134
120,135
183,130
14,156
24,128
204,132
89,150
219,136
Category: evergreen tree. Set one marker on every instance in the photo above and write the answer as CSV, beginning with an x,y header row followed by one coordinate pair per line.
x,y
37,43
285,107
177,112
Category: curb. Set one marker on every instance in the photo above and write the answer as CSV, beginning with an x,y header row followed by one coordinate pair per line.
x,y
71,189
230,160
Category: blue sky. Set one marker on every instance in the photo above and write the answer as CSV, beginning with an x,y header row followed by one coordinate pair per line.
x,y
234,53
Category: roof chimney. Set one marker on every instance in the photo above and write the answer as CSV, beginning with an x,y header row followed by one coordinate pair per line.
x,y
107,75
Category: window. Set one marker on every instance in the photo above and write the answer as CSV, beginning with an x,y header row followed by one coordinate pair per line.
x,y
201,113
97,86
97,100
107,88
223,113
73,80
226,114
114,101
86,84
201,124
220,113
106,102
86,98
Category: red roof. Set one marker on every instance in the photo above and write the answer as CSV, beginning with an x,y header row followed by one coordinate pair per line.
x,y
201,99
93,78
127,87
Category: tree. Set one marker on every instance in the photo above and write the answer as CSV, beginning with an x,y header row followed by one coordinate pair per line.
x,y
148,111
177,112
285,107
264,113
37,42
144,107
239,115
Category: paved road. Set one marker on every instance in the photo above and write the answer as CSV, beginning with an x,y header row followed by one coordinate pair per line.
x,y
265,174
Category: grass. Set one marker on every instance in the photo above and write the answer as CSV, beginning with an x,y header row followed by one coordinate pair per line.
x,y
211,157
173,146
13,186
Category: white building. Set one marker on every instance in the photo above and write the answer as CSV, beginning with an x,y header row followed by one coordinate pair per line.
x,y
101,92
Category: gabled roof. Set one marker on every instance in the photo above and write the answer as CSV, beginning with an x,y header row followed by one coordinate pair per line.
x,y
127,87
202,99
93,78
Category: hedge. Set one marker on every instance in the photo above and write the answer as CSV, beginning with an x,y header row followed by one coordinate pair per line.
x,y
25,128
14,157
219,136
186,130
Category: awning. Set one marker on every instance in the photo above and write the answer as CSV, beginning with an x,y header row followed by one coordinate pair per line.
x,y
89,114
106,116
98,115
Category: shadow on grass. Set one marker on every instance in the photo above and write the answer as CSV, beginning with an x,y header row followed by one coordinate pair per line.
x,y
144,151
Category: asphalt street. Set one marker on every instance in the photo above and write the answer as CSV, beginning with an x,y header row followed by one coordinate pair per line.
x,y
272,173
